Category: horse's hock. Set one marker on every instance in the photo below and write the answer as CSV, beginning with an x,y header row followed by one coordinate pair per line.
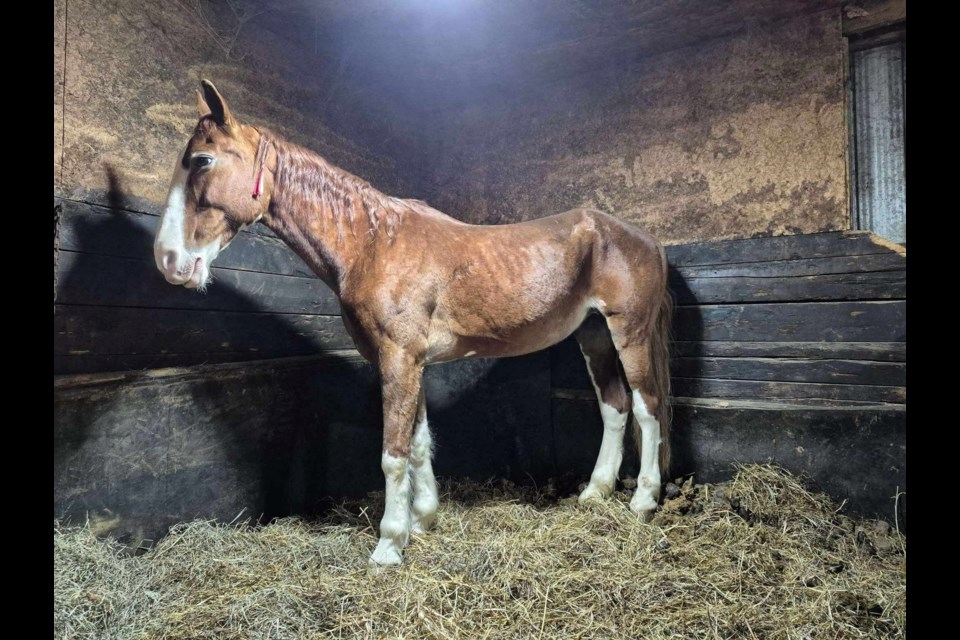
x,y
250,401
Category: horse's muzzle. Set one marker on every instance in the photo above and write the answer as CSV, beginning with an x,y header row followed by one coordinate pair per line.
x,y
179,267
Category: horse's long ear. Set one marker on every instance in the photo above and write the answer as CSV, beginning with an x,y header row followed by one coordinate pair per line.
x,y
202,107
218,106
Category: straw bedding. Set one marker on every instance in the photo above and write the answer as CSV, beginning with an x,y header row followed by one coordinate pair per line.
x,y
758,557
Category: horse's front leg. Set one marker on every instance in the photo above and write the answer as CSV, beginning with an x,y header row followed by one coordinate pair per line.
x,y
401,375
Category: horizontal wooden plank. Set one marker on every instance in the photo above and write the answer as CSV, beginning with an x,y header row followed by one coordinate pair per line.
x,y
93,363
882,351
724,402
324,361
877,285
790,404
82,330
868,15
90,228
572,374
803,267
793,370
124,282
803,321
707,388
568,369
795,247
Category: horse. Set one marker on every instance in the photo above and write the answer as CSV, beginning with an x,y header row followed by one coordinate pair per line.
x,y
418,287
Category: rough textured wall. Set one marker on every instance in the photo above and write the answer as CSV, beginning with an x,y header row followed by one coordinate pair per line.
x,y
734,137
125,72
59,29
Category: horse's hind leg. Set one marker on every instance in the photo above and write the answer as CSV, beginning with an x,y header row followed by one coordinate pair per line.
x,y
425,501
615,403
649,388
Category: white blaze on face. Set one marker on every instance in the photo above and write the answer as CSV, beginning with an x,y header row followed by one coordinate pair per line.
x,y
178,264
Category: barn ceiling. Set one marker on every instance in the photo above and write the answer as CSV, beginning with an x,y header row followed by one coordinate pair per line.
x,y
434,54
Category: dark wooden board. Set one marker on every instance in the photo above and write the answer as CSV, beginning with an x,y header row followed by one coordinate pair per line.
x,y
90,228
753,389
753,401
804,322
793,370
120,362
88,279
85,383
803,267
689,390
879,285
881,351
847,365
278,437
795,247
80,330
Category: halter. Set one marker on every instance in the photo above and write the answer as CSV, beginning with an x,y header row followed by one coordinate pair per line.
x,y
260,159
258,186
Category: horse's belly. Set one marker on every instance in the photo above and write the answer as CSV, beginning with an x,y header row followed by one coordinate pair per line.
x,y
499,340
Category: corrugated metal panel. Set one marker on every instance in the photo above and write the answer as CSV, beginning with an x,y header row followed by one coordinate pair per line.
x,y
879,111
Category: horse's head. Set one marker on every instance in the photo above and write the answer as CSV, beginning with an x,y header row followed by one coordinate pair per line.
x,y
218,188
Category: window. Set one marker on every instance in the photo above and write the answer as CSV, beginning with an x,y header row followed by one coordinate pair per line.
x,y
878,130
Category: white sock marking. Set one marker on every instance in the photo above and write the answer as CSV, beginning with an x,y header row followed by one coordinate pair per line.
x,y
425,497
604,477
648,482
395,525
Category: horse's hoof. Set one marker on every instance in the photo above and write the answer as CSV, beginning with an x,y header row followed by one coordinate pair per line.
x,y
591,493
643,505
422,525
386,554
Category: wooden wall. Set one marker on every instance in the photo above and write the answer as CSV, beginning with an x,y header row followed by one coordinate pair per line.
x,y
789,350
115,312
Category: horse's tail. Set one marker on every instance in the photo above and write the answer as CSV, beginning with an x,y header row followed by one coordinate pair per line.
x,y
660,367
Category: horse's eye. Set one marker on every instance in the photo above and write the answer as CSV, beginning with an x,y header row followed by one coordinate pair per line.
x,y
199,162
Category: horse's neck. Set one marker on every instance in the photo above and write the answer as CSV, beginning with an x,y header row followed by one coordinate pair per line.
x,y
329,218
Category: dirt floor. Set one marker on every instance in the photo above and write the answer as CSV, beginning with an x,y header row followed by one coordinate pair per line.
x,y
758,557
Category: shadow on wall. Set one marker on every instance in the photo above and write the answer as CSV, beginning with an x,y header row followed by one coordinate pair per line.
x,y
687,328
269,438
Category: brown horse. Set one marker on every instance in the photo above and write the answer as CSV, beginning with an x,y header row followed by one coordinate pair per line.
x,y
418,287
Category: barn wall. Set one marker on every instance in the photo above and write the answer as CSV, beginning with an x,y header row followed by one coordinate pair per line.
x,y
736,136
129,69
269,409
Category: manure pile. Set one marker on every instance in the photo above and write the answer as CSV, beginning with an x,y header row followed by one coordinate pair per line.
x,y
757,557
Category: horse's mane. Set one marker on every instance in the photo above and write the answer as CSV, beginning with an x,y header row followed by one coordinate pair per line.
x,y
305,181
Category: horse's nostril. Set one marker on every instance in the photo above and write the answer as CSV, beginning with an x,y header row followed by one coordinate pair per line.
x,y
169,260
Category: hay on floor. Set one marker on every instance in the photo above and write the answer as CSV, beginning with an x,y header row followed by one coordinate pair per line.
x,y
758,557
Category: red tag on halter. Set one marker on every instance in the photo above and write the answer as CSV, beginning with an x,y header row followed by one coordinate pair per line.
x,y
258,187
